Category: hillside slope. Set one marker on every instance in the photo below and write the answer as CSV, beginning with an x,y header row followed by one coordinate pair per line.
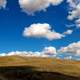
x,y
46,65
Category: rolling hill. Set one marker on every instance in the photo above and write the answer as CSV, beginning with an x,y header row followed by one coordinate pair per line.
x,y
17,66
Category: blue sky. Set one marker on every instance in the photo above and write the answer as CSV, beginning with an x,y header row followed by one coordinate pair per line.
x,y
13,21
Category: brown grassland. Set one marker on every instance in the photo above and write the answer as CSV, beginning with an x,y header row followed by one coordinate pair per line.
x,y
37,68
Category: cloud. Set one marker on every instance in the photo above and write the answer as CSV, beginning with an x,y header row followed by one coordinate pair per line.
x,y
2,54
68,58
41,31
74,12
55,2
3,3
73,48
49,50
24,53
68,32
31,6
77,22
46,52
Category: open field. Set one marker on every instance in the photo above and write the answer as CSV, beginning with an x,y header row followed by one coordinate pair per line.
x,y
36,68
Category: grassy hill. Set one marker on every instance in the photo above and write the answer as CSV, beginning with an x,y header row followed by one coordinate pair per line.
x,y
42,68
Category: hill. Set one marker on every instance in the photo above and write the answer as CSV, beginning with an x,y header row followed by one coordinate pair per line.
x,y
17,66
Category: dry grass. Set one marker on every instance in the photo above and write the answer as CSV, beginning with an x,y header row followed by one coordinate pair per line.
x,y
66,67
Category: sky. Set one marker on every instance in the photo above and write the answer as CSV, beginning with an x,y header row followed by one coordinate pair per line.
x,y
28,25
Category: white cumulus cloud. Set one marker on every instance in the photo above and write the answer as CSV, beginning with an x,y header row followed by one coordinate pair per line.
x,y
41,31
68,32
68,57
31,6
77,22
3,3
73,48
46,52
55,2
74,12
2,54
49,50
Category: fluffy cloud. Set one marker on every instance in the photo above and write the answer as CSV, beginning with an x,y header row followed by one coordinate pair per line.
x,y
49,50
46,52
3,3
68,32
74,12
31,6
55,2
2,54
41,31
73,48
68,58
77,23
